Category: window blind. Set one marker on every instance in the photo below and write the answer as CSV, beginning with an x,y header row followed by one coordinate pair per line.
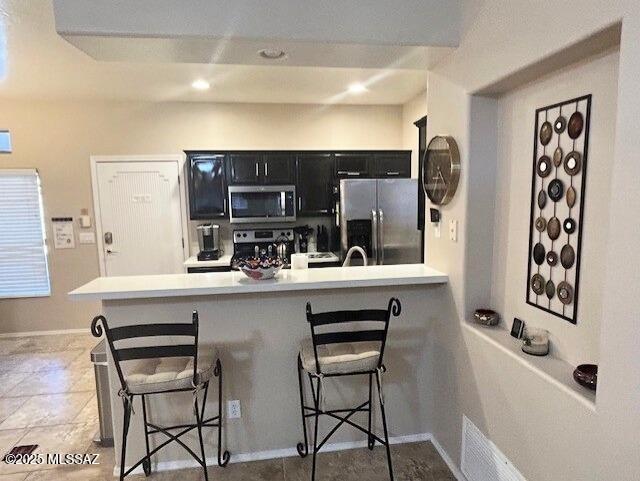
x,y
23,256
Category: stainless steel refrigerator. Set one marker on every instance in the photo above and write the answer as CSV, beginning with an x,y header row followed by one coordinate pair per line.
x,y
379,215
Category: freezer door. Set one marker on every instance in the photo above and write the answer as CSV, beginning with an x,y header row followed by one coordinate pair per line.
x,y
398,238
357,203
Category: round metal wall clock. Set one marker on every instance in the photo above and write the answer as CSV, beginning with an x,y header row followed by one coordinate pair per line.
x,y
441,170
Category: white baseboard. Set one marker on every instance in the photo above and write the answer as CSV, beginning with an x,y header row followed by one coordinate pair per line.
x,y
274,454
447,459
84,330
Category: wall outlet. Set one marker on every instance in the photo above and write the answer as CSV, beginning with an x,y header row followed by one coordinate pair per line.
x,y
233,409
453,230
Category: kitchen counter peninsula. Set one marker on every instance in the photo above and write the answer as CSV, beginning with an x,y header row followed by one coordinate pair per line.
x,y
257,327
235,282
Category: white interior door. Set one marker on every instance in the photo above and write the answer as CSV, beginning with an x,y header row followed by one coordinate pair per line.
x,y
140,216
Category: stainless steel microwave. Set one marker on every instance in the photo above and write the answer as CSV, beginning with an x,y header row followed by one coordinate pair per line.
x,y
262,203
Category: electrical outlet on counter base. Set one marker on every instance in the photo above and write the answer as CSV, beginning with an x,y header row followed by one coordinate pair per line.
x,y
233,409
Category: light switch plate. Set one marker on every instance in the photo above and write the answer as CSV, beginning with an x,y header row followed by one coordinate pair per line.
x,y
85,221
453,230
436,230
233,409
87,238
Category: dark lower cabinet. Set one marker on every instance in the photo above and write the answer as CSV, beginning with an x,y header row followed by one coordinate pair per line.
x,y
314,172
207,186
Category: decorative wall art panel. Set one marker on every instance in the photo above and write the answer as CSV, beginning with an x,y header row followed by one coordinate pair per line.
x,y
561,141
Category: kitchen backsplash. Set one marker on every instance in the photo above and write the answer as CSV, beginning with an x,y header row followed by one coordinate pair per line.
x,y
226,229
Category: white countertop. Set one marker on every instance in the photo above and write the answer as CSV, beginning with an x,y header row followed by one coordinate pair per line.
x,y
235,282
223,261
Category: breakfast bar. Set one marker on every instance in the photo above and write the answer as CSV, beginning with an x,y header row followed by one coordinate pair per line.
x,y
257,327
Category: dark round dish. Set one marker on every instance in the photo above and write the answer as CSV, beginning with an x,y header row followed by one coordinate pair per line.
x,y
567,256
573,163
553,228
552,258
550,289
537,284
571,197
544,166
586,375
542,199
565,293
569,225
541,224
555,190
560,124
576,123
538,253
486,317
546,131
557,156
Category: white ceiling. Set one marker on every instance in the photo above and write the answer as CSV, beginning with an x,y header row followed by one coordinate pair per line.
x,y
35,62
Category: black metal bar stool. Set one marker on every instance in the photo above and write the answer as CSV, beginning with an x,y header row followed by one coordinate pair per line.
x,y
144,371
333,351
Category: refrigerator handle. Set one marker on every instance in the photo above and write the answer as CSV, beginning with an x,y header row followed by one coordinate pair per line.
x,y
374,237
381,236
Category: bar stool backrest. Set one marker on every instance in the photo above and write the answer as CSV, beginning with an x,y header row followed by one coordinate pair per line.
x,y
379,317
138,332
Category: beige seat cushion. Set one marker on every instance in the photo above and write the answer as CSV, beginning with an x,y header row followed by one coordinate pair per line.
x,y
164,374
341,358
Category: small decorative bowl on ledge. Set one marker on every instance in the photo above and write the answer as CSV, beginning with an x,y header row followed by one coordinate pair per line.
x,y
261,269
486,317
586,375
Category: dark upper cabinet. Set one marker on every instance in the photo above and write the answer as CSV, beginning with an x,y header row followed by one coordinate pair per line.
x,y
207,186
248,168
277,168
391,164
314,173
245,168
352,165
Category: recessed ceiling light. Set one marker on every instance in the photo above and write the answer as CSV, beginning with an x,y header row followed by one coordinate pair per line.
x,y
272,53
357,88
200,84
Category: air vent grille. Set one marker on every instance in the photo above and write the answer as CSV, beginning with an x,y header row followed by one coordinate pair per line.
x,y
482,460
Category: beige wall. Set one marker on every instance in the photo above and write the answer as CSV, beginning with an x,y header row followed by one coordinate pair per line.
x,y
58,137
599,76
545,432
412,110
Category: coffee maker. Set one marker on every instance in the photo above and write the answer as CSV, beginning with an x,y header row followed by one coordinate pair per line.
x,y
209,242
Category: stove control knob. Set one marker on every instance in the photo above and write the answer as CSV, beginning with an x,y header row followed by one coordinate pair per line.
x,y
244,235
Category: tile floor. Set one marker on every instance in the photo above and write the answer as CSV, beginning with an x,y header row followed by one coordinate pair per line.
x,y
57,410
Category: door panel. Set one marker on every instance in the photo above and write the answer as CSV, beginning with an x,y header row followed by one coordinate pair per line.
x,y
277,168
352,165
392,165
315,184
357,219
397,208
207,187
245,168
140,213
